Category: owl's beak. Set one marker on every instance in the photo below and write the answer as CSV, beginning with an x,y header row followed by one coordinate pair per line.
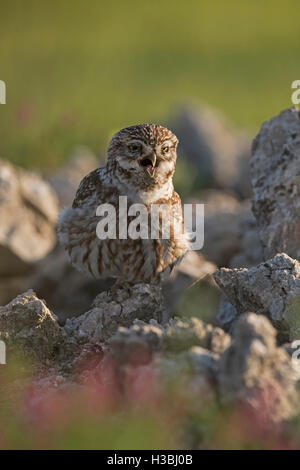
x,y
152,159
149,163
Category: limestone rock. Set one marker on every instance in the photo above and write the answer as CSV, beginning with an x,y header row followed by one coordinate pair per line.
x,y
28,325
275,176
28,214
111,310
271,288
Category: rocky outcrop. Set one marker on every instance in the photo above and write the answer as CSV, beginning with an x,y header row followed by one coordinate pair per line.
x,y
28,214
204,360
275,177
27,325
271,288
114,309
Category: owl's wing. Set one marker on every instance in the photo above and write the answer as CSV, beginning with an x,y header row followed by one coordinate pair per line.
x,y
77,224
90,185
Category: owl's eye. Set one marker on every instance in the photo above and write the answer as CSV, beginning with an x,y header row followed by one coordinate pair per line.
x,y
165,149
134,147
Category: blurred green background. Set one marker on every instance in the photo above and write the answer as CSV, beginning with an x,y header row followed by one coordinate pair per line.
x,y
76,71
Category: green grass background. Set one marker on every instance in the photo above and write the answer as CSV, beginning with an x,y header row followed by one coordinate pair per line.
x,y
76,71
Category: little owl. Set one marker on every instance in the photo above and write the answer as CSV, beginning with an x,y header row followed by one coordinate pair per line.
x,y
140,165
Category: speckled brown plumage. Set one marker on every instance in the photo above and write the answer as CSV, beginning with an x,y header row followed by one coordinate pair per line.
x,y
141,163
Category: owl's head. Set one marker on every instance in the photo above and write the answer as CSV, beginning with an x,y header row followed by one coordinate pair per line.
x,y
143,155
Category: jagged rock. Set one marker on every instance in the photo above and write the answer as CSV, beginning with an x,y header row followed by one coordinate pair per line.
x,y
66,180
111,310
223,214
275,175
28,325
254,370
28,214
218,155
271,288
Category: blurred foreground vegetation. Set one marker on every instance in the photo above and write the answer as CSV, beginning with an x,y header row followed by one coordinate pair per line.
x,y
146,415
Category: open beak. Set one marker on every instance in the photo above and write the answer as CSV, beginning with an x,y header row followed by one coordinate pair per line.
x,y
149,163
